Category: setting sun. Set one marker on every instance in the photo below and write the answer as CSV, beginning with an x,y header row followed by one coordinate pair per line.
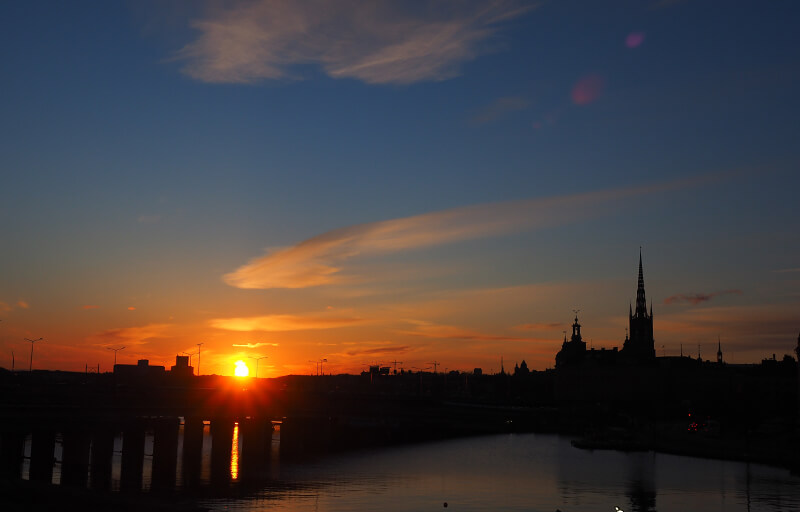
x,y
241,369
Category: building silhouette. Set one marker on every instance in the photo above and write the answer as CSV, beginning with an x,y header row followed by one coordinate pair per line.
x,y
639,345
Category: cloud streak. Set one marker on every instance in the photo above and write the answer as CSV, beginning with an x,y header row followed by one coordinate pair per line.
x,y
254,345
698,298
276,323
319,260
377,42
130,335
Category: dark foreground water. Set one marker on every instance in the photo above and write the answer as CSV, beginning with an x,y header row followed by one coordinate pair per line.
x,y
514,472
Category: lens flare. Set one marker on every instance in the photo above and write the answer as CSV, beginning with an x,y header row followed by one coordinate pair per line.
x,y
241,369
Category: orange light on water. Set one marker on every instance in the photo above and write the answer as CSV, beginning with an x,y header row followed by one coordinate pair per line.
x,y
241,369
235,452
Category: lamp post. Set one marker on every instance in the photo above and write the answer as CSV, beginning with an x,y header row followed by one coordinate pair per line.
x,y
30,368
115,353
320,366
257,360
198,358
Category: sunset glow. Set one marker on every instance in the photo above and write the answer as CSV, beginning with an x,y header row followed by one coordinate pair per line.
x,y
415,182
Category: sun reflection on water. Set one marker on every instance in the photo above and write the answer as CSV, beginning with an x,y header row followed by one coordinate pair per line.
x,y
235,452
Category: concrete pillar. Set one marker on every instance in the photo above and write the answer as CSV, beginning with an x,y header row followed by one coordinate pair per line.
x,y
12,452
132,455
256,440
75,458
43,444
221,441
192,451
165,452
102,455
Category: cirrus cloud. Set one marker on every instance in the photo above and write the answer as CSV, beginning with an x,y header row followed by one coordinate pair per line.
x,y
378,42
697,298
319,260
272,323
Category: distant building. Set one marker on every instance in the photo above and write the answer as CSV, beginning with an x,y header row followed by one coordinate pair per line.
x,y
573,351
141,372
181,367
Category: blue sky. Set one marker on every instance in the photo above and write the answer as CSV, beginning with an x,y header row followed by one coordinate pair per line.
x,y
443,153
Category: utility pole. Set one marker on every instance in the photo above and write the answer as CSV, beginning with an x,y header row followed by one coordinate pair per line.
x,y
115,353
30,368
251,357
198,360
435,366
395,365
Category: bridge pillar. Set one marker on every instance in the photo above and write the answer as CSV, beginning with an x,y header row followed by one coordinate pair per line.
x,y
102,454
221,441
165,452
256,436
75,458
192,451
43,444
132,455
12,452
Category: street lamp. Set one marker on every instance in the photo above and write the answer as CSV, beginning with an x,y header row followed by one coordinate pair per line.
x,y
115,353
198,358
257,360
320,366
30,368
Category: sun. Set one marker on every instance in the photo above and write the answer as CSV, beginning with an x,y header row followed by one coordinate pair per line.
x,y
241,369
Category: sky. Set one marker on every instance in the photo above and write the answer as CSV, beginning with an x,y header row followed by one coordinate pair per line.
x,y
369,182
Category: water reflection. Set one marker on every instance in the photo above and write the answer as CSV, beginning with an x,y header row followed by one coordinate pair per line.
x,y
238,465
235,452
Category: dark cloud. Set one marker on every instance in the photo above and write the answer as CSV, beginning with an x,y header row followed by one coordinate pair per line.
x,y
697,298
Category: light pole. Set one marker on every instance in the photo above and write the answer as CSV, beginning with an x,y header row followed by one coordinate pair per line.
x,y
257,360
320,366
115,353
198,358
190,357
30,368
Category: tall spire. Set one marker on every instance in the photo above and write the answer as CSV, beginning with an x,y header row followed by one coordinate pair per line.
x,y
641,301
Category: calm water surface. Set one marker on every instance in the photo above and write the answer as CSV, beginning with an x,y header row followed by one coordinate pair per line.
x,y
514,472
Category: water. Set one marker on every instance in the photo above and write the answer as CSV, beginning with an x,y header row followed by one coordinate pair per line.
x,y
514,473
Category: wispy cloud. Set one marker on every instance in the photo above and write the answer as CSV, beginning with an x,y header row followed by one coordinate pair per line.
x,y
272,323
787,270
450,332
130,335
319,260
698,298
377,42
398,349
539,326
20,304
254,345
499,108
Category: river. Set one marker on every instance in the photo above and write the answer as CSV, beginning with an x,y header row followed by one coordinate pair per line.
x,y
513,472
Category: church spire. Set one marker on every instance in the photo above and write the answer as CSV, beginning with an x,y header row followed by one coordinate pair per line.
x,y
641,301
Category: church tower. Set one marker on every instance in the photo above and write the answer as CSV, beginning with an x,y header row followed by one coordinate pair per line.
x,y
640,346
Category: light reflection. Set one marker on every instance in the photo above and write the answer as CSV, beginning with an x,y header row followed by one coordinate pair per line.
x,y
235,452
